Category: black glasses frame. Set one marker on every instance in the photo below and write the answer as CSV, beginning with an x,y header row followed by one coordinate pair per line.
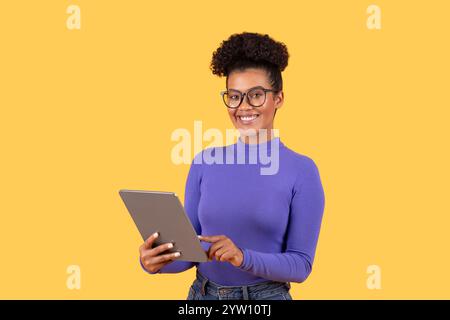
x,y
243,94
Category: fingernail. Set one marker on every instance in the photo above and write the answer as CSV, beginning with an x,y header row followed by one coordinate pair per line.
x,y
155,235
199,236
170,245
176,254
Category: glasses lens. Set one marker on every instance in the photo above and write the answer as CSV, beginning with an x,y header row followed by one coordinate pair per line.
x,y
257,97
232,98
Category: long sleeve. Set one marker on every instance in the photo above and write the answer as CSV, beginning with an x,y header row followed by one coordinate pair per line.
x,y
191,201
306,211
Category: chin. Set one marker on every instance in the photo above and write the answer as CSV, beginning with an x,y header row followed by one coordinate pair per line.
x,y
248,131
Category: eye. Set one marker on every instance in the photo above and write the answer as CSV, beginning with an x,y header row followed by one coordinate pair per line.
x,y
256,94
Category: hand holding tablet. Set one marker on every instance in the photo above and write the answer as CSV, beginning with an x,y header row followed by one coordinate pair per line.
x,y
153,259
162,212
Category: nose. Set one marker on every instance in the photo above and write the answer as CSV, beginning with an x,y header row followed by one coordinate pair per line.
x,y
244,105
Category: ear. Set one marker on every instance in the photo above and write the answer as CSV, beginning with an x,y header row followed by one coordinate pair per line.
x,y
279,99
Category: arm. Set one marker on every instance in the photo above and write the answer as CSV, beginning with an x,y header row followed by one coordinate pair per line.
x,y
191,200
295,264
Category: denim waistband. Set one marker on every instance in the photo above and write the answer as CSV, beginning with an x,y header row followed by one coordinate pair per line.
x,y
215,288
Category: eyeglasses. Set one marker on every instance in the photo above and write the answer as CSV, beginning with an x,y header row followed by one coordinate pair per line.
x,y
255,97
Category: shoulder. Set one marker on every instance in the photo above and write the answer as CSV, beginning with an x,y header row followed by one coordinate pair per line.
x,y
301,165
307,176
301,162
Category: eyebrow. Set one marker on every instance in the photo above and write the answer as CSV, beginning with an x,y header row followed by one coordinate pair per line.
x,y
247,89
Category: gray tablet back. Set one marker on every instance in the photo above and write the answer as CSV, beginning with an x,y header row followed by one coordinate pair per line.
x,y
154,211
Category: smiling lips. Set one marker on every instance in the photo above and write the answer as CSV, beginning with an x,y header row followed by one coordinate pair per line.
x,y
246,119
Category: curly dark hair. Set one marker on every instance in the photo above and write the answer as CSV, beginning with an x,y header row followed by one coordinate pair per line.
x,y
251,50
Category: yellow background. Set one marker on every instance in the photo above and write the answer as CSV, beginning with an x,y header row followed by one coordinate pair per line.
x,y
87,112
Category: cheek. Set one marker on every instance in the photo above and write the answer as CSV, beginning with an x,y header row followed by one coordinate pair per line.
x,y
268,112
231,113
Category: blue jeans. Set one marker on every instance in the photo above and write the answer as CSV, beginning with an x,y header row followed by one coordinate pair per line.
x,y
204,289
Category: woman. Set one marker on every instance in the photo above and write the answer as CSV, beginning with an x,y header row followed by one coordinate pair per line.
x,y
260,230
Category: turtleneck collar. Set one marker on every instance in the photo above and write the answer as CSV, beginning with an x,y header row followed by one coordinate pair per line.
x,y
255,145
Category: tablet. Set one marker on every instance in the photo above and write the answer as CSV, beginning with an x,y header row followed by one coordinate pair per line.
x,y
158,211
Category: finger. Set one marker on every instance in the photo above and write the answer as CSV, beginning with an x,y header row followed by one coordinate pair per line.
x,y
212,249
155,267
207,254
150,240
211,238
216,246
151,262
161,248
153,253
221,252
227,256
165,257
158,266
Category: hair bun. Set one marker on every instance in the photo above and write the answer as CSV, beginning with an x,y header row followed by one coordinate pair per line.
x,y
249,46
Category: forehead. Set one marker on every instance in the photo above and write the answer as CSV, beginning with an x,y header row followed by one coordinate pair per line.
x,y
248,78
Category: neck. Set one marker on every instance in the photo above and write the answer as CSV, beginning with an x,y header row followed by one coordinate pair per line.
x,y
261,136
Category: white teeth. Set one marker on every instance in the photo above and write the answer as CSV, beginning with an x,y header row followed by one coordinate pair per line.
x,y
248,118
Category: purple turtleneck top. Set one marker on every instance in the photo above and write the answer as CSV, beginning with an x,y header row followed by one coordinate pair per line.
x,y
267,199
